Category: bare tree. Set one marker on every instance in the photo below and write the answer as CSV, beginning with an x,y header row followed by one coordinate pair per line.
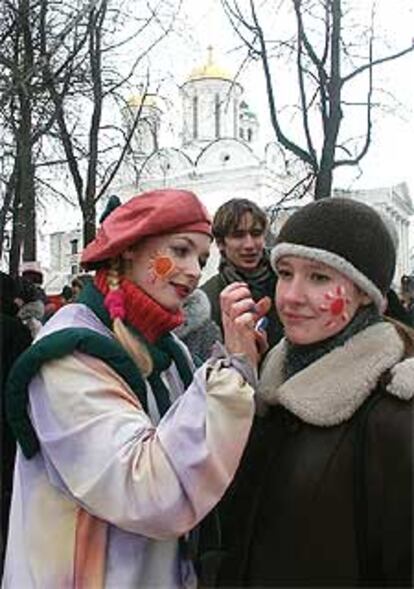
x,y
91,145
329,51
64,70
27,115
18,187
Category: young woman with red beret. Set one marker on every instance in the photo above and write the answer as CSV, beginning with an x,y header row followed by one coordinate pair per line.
x,y
122,452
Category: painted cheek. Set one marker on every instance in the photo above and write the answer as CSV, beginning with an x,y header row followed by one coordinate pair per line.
x,y
161,266
334,304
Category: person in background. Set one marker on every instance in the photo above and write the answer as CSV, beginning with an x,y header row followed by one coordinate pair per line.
x,y
239,228
56,302
78,283
66,294
31,306
198,331
324,494
15,337
407,294
31,271
396,310
122,449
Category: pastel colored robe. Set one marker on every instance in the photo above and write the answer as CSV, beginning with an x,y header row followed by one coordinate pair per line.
x,y
112,489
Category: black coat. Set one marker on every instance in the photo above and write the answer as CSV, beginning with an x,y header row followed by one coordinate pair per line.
x,y
324,493
15,337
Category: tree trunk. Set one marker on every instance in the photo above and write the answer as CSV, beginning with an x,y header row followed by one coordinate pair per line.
x,y
17,234
24,138
89,221
26,186
7,205
323,184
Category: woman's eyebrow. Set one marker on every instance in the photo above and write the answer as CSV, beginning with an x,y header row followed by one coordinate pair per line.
x,y
318,266
185,238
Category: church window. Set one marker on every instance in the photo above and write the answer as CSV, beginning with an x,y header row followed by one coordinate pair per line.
x,y
217,115
241,133
195,117
74,246
249,135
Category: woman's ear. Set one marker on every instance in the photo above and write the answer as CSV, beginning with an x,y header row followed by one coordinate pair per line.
x,y
364,299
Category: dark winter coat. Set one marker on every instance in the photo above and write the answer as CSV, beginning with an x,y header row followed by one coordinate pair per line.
x,y
324,493
14,339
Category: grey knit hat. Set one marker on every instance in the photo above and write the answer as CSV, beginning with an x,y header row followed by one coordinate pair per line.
x,y
347,235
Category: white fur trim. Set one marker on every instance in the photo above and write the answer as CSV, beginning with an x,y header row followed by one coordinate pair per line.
x,y
333,260
330,390
402,382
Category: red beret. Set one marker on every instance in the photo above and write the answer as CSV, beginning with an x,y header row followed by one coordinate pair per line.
x,y
152,213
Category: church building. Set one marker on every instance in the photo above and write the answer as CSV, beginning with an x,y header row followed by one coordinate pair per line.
x,y
218,155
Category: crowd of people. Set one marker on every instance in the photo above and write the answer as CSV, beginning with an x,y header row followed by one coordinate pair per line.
x,y
254,430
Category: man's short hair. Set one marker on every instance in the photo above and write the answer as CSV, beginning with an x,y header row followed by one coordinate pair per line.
x,y
228,216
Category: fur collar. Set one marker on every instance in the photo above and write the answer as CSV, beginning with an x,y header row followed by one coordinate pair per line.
x,y
196,311
330,390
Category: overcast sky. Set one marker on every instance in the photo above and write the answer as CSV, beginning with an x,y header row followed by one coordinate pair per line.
x,y
390,159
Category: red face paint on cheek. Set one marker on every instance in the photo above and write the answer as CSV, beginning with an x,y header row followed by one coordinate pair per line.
x,y
161,266
335,306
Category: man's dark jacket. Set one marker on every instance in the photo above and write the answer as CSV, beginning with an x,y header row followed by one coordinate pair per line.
x,y
261,283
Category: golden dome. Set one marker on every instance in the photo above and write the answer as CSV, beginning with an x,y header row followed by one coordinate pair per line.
x,y
135,101
209,70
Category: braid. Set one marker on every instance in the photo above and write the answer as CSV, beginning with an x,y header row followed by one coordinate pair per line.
x,y
115,304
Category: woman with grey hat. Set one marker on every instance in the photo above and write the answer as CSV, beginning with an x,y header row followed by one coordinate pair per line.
x,y
324,493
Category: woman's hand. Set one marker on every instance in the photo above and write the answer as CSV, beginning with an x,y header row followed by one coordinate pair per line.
x,y
239,317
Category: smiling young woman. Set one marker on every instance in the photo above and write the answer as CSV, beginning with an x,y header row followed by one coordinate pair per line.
x,y
121,451
324,494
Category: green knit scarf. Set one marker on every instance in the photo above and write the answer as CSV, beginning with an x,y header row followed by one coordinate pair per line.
x,y
64,342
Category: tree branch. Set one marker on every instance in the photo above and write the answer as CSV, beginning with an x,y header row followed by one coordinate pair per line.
x,y
293,147
376,62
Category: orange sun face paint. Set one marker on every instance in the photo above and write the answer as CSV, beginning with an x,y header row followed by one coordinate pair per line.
x,y
161,266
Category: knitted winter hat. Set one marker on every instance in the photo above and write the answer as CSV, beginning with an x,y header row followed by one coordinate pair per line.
x,y
347,235
32,271
152,213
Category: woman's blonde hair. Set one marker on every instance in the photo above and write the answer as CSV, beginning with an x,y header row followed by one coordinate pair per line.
x,y
131,344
